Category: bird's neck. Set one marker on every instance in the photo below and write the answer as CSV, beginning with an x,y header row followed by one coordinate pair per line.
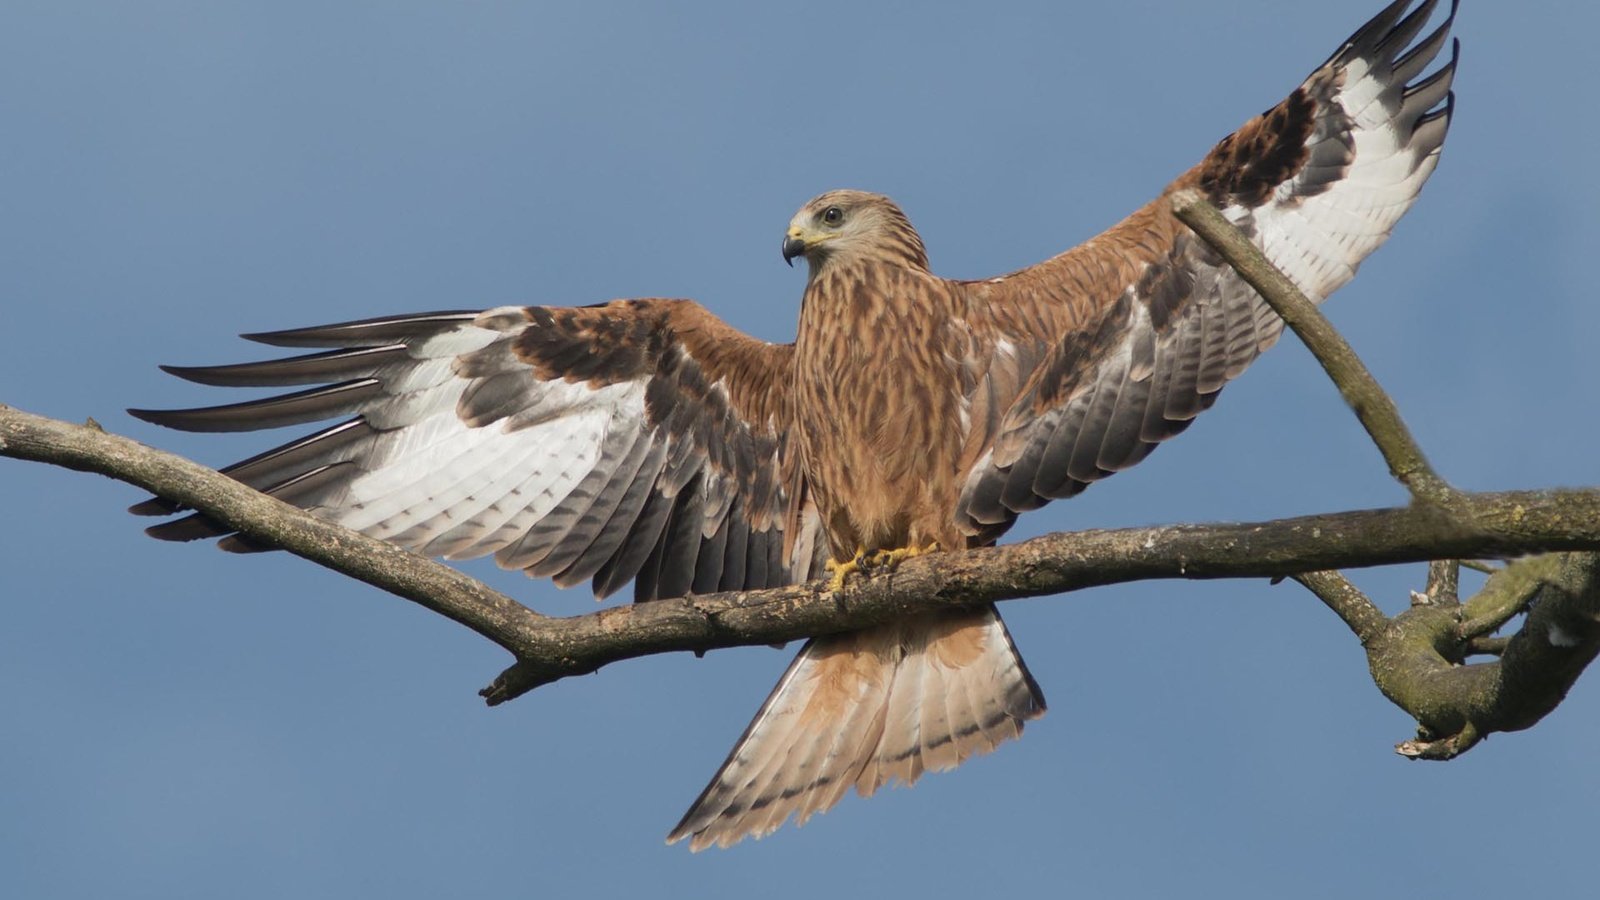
x,y
838,292
865,299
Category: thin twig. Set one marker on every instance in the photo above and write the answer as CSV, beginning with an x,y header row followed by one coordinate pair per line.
x,y
1361,391
1347,602
1507,594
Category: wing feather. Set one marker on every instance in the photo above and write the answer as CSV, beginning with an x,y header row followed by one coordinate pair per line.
x,y
315,368
613,534
638,547
679,547
1138,330
637,438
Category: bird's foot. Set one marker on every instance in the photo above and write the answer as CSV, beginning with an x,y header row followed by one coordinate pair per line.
x,y
872,563
841,570
889,560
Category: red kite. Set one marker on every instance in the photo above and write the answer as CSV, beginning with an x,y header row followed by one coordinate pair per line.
x,y
647,441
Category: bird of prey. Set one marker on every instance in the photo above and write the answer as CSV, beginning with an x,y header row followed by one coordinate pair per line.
x,y
647,441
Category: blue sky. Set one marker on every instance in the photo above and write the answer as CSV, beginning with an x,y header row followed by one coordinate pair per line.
x,y
187,723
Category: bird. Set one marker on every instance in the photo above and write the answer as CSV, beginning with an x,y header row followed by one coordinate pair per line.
x,y
647,441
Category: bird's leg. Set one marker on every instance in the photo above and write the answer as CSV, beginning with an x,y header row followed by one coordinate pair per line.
x,y
842,570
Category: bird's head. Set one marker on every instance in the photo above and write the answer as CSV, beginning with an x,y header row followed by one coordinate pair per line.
x,y
852,226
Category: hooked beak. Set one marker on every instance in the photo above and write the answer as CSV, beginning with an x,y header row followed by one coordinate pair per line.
x,y
793,245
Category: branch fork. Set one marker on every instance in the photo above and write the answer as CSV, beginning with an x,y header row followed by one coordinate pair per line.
x,y
1417,658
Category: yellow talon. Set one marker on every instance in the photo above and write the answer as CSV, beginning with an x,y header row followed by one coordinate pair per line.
x,y
866,563
889,559
842,570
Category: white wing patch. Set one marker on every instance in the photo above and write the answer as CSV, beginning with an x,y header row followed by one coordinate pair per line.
x,y
523,433
448,476
1318,182
1394,129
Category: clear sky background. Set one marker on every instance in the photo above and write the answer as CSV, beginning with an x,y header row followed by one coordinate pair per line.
x,y
180,722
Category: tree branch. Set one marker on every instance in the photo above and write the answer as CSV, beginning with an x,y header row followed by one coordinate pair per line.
x,y
1416,657
1416,661
1506,594
89,448
1347,601
552,648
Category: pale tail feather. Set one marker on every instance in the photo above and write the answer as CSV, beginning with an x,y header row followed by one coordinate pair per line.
x,y
862,710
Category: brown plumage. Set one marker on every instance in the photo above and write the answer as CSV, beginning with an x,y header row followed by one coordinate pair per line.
x,y
645,440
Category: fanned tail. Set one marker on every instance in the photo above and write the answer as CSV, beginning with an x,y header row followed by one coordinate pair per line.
x,y
862,710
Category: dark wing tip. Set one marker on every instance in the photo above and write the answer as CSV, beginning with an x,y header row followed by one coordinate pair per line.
x,y
272,412
1429,132
314,368
189,528
383,330
156,506
211,375
1385,34
153,416
1374,30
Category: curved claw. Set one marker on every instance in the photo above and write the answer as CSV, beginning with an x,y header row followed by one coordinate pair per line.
x,y
841,570
871,563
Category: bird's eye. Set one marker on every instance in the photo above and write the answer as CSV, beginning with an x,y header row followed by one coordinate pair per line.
x,y
833,215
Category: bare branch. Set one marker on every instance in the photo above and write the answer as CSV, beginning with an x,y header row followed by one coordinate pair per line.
x,y
550,648
1347,602
1372,406
89,448
1506,594
1416,657
1444,582
1480,525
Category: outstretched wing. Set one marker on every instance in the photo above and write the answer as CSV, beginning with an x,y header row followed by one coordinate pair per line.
x,y
640,439
1083,363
